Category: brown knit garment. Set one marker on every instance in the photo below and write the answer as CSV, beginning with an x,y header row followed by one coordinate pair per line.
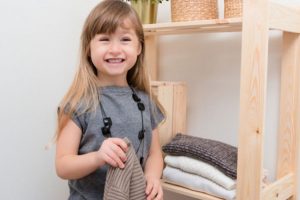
x,y
222,156
128,183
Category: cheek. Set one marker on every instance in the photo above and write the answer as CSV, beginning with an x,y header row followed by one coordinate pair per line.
x,y
137,48
134,50
96,55
93,57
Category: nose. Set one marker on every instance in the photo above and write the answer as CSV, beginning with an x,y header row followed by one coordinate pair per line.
x,y
114,47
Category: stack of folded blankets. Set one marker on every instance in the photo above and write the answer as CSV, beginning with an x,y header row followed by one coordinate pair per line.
x,y
201,164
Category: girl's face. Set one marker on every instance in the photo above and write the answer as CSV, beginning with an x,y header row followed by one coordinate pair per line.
x,y
114,54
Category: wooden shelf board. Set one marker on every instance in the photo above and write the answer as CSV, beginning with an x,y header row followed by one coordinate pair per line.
x,y
216,25
188,192
283,16
282,188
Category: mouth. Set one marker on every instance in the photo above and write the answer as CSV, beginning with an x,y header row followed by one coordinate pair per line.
x,y
114,60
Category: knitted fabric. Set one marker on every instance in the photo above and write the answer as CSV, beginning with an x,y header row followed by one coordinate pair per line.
x,y
218,154
128,183
200,168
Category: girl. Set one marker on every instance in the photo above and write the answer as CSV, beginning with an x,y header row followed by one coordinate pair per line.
x,y
108,100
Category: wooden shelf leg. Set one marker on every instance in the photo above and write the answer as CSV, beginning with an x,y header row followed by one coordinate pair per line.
x,y
289,119
252,98
151,58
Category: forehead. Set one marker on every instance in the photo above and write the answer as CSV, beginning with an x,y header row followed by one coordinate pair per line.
x,y
126,26
112,26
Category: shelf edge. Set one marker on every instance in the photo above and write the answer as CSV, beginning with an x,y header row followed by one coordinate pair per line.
x,y
284,17
187,192
216,25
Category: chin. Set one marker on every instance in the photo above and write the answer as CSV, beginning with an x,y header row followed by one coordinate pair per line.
x,y
117,73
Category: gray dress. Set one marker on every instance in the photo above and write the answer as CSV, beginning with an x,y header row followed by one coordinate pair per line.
x,y
126,118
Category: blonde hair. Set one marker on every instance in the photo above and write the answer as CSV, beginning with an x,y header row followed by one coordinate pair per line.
x,y
106,17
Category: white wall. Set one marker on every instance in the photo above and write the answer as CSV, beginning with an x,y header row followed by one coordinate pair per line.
x,y
39,47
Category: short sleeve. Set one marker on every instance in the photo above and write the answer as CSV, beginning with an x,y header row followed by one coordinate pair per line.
x,y
79,118
156,115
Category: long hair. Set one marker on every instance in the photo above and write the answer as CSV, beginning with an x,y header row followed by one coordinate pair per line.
x,y
106,17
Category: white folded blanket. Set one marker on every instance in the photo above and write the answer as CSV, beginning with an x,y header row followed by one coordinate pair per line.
x,y
197,183
198,167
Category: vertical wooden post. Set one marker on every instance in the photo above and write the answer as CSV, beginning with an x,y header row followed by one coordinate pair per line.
x,y
172,96
252,98
289,119
151,58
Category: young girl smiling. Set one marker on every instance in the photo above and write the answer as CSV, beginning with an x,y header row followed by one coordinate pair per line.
x,y
108,100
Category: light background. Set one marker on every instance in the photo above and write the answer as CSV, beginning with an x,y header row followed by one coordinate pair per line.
x,y
39,42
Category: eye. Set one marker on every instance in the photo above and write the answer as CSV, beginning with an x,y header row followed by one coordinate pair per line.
x,y
104,39
125,39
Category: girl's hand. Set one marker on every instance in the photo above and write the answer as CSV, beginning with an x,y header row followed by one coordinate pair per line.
x,y
154,189
113,152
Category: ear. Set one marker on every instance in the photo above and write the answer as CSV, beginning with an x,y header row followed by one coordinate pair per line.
x,y
139,49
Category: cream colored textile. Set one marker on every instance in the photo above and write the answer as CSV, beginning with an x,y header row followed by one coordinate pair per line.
x,y
195,182
198,167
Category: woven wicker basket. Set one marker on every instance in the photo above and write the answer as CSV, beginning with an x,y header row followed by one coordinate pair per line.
x,y
189,10
232,8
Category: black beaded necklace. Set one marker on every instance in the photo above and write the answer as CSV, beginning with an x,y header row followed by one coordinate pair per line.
x,y
107,121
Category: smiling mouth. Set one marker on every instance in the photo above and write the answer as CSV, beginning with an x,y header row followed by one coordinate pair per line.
x,y
115,60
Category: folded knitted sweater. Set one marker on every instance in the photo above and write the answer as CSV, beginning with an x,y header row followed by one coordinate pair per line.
x,y
222,156
128,183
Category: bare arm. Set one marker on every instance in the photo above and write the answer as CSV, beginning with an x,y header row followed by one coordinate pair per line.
x,y
153,169
70,165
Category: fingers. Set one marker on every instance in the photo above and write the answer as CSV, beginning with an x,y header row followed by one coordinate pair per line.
x,y
159,195
113,152
112,161
154,190
121,143
149,187
116,156
118,152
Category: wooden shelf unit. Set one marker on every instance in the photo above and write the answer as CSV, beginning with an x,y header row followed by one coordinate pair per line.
x,y
259,16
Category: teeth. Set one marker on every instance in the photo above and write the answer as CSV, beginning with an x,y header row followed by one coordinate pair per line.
x,y
114,60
